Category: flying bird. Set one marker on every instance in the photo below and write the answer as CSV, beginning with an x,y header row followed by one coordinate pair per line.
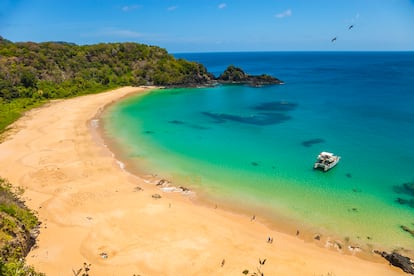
x,y
333,39
350,27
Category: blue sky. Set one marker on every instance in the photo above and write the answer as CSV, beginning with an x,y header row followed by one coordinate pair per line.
x,y
210,25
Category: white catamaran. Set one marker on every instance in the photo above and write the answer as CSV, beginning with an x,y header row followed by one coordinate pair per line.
x,y
326,161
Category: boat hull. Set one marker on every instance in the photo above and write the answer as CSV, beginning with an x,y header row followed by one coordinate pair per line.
x,y
326,166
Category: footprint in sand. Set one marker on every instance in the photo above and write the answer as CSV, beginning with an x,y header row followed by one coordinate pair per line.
x,y
46,175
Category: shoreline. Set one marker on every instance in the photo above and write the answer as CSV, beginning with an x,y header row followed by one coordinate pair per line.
x,y
277,220
89,206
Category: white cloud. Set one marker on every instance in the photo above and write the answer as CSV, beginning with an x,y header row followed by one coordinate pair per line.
x,y
284,14
172,8
222,5
130,8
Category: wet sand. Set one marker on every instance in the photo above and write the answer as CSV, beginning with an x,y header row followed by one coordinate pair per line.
x,y
95,212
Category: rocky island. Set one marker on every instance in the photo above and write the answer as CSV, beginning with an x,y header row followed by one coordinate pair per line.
x,y
235,75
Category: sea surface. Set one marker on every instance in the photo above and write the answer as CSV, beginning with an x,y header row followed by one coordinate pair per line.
x,y
253,148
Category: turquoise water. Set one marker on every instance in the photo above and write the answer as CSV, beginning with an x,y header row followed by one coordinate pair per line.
x,y
254,148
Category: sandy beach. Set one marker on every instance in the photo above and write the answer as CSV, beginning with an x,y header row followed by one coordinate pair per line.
x,y
95,212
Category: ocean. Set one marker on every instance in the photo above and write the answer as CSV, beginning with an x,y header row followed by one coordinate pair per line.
x,y
252,149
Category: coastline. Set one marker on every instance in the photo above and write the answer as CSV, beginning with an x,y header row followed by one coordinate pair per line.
x,y
79,191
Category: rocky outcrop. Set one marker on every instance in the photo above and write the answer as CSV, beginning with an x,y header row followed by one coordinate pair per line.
x,y
19,240
399,260
235,75
18,225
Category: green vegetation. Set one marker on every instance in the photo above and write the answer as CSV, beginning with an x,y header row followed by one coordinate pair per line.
x,y
17,229
11,110
31,73
234,74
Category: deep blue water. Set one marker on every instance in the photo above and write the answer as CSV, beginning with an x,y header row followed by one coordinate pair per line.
x,y
255,147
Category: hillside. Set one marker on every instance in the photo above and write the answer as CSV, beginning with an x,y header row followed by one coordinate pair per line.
x,y
59,69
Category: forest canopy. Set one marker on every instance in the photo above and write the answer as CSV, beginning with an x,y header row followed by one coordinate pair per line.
x,y
60,69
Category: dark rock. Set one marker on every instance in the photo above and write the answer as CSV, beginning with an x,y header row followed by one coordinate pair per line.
x,y
408,230
232,74
185,189
400,261
19,241
235,75
156,196
162,182
18,225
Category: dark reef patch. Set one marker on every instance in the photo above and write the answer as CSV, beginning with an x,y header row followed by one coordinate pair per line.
x,y
407,229
311,142
176,122
405,188
353,210
280,106
260,119
194,126
403,201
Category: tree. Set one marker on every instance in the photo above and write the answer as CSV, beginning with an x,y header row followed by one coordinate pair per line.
x,y
28,79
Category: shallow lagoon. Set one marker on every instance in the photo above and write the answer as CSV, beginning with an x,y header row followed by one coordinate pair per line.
x,y
253,148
